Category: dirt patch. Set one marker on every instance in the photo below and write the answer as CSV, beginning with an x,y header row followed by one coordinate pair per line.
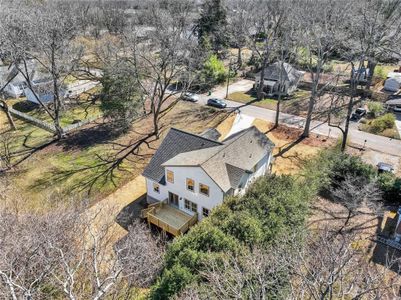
x,y
374,157
290,152
327,214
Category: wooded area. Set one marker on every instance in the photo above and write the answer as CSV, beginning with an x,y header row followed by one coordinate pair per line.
x,y
139,59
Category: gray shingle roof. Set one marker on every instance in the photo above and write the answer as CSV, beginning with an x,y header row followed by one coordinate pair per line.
x,y
175,142
211,134
289,73
227,162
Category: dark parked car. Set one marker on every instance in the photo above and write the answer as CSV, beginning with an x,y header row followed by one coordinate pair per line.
x,y
219,103
358,114
383,167
190,97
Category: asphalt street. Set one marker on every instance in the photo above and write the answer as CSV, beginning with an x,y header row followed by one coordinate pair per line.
x,y
374,142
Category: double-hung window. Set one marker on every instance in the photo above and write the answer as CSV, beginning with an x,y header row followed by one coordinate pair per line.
x,y
190,185
156,187
204,189
170,176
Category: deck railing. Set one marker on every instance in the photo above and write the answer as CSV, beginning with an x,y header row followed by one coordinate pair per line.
x,y
150,214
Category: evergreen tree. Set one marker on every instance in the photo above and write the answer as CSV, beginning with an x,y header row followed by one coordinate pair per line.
x,y
212,25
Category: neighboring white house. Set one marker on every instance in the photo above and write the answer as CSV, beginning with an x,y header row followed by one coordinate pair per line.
x,y
280,77
193,173
42,89
15,88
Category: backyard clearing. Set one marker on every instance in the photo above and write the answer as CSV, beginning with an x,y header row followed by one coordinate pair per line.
x,y
65,167
105,211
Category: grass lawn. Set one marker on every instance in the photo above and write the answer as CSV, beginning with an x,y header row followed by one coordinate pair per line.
x,y
287,105
288,162
75,111
56,172
390,132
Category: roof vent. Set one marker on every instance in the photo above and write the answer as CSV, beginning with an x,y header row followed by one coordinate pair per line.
x,y
250,155
224,154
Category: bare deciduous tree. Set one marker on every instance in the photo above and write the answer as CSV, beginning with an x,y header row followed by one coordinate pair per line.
x,y
322,32
357,194
324,265
74,253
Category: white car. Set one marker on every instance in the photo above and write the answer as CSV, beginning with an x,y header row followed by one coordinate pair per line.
x,y
190,97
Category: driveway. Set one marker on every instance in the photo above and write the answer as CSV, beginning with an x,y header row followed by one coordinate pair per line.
x,y
374,142
241,122
398,122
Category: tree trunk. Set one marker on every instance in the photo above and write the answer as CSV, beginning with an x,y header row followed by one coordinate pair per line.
x,y
56,95
262,76
371,66
10,119
276,123
156,125
354,85
349,216
281,89
312,99
239,61
347,120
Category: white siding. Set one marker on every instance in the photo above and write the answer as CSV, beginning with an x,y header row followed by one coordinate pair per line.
x,y
13,90
216,195
179,187
45,98
158,196
262,167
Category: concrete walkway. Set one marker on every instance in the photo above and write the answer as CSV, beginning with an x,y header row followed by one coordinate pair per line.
x,y
241,122
398,123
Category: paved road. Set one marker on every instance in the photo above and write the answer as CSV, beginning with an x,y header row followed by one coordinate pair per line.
x,y
374,142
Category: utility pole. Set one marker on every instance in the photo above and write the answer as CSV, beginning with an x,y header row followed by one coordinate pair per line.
x,y
228,77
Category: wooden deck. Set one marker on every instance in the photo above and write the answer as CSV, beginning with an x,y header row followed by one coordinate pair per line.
x,y
168,218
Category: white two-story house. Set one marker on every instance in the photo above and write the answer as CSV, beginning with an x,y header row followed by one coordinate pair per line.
x,y
192,173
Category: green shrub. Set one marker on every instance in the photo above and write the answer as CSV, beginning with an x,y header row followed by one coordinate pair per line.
x,y
272,207
380,72
382,123
391,187
173,280
214,71
243,226
375,108
332,166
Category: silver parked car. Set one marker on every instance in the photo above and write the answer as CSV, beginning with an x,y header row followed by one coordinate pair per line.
x,y
190,97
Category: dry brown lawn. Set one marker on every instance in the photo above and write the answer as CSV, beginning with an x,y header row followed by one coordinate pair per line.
x,y
38,179
284,137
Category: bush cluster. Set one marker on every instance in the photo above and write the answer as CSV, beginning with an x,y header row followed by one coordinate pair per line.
x,y
382,123
272,206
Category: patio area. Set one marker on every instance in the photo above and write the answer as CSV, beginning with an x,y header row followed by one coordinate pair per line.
x,y
169,218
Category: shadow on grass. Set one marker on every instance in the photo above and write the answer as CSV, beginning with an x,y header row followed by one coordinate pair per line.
x,y
88,137
131,212
289,146
25,106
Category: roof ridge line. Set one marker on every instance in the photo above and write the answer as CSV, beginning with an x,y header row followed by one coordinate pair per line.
x,y
241,133
196,135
